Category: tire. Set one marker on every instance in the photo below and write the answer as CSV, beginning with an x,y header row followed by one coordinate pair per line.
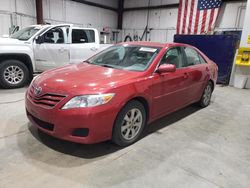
x,y
206,96
13,74
132,127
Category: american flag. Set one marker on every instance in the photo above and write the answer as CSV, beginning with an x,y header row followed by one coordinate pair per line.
x,y
197,16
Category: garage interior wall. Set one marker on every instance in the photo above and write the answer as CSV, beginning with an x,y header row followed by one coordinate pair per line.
x,y
240,77
23,13
163,21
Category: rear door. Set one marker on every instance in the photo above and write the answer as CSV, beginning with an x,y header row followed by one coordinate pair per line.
x,y
170,89
198,73
84,44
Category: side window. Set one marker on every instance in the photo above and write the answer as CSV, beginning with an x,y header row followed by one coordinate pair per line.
x,y
192,56
173,56
83,36
54,36
91,35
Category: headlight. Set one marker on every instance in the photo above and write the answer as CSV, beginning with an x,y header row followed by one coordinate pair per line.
x,y
88,101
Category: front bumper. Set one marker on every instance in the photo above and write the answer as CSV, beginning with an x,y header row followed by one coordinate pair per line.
x,y
97,122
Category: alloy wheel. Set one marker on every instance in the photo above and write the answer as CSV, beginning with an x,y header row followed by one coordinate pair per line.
x,y
207,94
13,74
131,124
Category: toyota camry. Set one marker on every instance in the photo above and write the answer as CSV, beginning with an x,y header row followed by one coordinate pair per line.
x,y
115,94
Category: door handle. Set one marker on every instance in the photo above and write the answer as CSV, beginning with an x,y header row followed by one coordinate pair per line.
x,y
62,50
185,75
93,48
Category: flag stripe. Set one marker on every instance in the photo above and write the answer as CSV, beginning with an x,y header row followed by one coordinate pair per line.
x,y
200,21
211,20
188,15
191,17
204,17
184,17
194,16
207,20
179,17
197,17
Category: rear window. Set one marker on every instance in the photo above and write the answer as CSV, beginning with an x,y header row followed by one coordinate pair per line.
x,y
83,36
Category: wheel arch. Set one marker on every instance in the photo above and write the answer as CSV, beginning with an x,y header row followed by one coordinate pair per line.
x,y
140,99
24,58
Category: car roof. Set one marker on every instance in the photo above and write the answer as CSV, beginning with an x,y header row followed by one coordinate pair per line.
x,y
154,44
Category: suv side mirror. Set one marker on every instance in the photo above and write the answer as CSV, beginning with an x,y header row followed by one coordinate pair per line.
x,y
166,68
39,39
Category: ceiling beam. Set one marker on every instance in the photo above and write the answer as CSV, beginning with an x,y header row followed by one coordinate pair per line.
x,y
39,12
120,14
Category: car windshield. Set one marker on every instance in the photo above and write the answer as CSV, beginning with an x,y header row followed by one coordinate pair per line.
x,y
26,33
134,58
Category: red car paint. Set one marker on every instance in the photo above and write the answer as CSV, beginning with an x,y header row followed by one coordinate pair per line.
x,y
163,94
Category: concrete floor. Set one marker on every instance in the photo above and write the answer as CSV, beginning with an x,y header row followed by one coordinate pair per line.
x,y
190,148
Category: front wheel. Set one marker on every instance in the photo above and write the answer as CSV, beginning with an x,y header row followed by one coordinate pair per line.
x,y
13,74
206,96
129,124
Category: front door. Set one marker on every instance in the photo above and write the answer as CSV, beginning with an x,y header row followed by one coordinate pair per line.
x,y
54,49
170,89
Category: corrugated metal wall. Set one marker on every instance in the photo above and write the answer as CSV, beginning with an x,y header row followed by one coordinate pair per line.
x,y
23,13
162,21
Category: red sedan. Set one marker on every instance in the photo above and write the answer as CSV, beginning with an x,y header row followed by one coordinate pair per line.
x,y
116,93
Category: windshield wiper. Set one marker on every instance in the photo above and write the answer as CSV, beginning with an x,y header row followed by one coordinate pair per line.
x,y
106,65
86,61
103,65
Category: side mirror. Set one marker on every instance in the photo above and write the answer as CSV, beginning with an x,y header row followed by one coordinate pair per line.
x,y
166,68
39,39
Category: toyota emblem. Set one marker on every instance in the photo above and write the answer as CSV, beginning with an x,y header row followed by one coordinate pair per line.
x,y
38,91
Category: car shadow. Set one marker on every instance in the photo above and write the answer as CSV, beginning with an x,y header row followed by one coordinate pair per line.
x,y
172,118
101,149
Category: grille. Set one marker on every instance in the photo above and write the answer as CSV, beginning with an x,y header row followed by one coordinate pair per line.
x,y
47,100
40,123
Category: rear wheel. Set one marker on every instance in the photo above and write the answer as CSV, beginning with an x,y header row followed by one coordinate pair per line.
x,y
206,96
13,74
129,124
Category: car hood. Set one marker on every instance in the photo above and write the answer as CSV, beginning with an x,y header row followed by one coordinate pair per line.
x,y
10,41
83,78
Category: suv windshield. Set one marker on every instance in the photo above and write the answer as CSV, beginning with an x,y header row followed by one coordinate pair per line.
x,y
26,33
134,58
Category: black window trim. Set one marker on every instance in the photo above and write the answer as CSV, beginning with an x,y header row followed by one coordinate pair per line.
x,y
201,57
182,54
84,30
